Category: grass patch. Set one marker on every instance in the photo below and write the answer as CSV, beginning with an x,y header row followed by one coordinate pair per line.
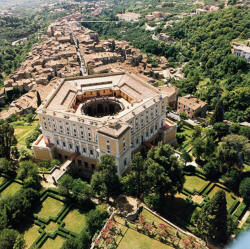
x,y
11,189
50,208
31,235
22,131
194,183
75,221
136,240
56,243
229,198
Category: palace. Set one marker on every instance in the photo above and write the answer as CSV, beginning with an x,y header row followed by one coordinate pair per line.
x,y
114,113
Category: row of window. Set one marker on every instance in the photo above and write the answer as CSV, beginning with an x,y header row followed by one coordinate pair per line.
x,y
140,124
148,134
83,133
76,148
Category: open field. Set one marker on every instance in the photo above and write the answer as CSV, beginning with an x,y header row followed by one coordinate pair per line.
x,y
11,189
75,221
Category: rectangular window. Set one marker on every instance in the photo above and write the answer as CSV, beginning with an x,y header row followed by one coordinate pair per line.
x,y
91,152
64,145
108,146
124,144
84,150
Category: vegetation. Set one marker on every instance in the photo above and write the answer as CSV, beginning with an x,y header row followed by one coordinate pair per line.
x,y
206,46
244,189
105,182
212,219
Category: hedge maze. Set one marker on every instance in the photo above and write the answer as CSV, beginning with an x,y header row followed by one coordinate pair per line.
x,y
196,192
54,221
50,221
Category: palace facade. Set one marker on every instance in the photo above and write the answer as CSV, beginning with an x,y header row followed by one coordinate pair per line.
x,y
116,113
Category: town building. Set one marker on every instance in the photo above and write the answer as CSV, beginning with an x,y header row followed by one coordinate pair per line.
x,y
114,113
191,105
241,50
129,17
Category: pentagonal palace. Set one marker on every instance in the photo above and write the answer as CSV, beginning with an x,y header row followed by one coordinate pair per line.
x,y
115,113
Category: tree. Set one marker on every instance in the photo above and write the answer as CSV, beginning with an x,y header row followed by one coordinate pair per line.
x,y
197,132
38,99
221,130
183,115
164,173
28,173
19,243
218,115
185,156
6,166
212,219
105,181
231,151
8,239
95,220
7,140
198,148
244,189
211,169
18,207
133,181
81,191
65,185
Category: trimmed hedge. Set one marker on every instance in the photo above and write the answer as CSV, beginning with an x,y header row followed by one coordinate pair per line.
x,y
233,206
240,210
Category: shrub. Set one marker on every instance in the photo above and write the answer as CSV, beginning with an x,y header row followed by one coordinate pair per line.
x,y
95,220
244,189
153,200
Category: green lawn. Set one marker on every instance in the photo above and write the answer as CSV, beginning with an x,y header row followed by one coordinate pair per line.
x,y
194,183
135,240
50,208
22,131
53,243
11,189
229,198
31,235
75,221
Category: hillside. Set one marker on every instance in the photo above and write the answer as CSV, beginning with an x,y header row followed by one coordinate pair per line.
x,y
212,71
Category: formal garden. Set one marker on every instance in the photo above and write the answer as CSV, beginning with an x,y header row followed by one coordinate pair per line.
x,y
147,232
54,220
196,192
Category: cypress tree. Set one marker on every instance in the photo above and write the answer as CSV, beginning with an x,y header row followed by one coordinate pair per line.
x,y
38,98
212,219
218,115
